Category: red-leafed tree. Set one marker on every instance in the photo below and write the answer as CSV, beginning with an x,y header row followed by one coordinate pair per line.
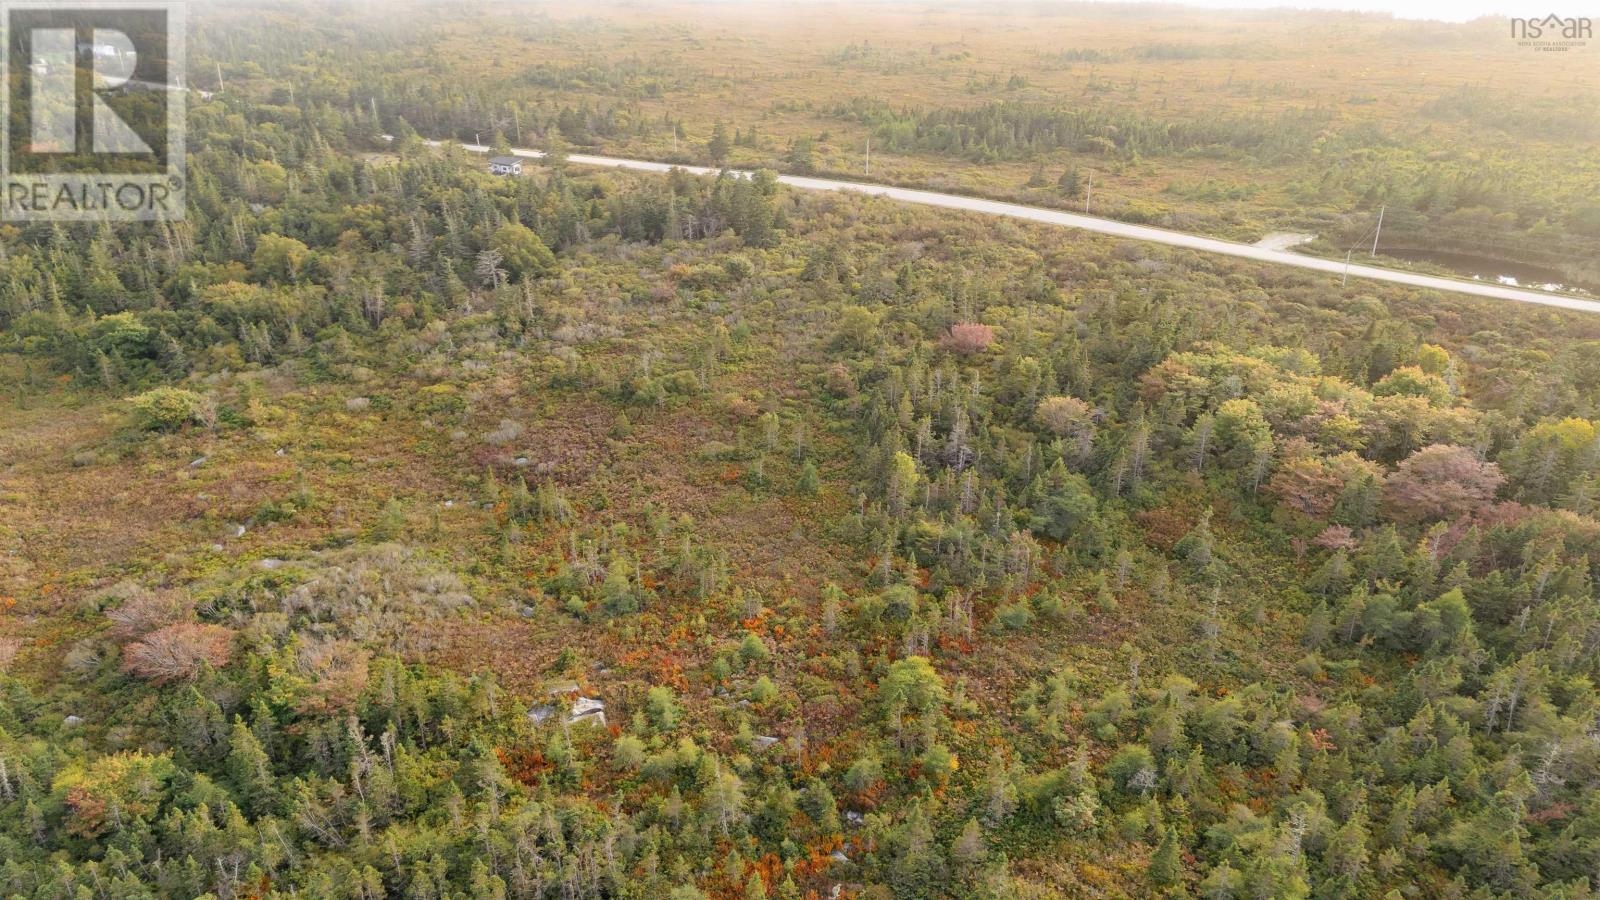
x,y
1440,481
1336,537
1312,484
178,652
968,337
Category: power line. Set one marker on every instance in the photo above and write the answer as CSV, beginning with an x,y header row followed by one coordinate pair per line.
x,y
1350,251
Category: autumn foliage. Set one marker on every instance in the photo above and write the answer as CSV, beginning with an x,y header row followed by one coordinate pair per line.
x,y
145,611
967,338
1440,482
178,652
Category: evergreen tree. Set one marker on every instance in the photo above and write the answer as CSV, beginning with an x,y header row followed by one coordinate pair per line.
x,y
1166,864
717,148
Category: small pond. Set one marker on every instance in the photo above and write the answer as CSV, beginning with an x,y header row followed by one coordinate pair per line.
x,y
1497,270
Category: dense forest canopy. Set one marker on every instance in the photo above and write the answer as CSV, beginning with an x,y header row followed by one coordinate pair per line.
x,y
391,528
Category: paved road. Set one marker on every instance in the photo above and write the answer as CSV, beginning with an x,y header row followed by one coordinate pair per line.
x,y
1112,227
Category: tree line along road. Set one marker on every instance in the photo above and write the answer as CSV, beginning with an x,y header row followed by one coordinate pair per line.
x,y
1103,226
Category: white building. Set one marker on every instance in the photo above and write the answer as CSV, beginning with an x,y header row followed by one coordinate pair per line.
x,y
505,165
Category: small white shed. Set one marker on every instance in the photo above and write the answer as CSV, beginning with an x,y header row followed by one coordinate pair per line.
x,y
505,165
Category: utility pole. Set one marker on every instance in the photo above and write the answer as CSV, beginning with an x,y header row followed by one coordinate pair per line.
x,y
1088,192
869,154
1346,279
221,85
1379,231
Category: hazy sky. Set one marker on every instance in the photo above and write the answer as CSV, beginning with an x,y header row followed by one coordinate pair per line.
x,y
1448,10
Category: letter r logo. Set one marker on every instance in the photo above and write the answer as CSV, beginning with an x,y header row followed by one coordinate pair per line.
x,y
92,109
112,60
